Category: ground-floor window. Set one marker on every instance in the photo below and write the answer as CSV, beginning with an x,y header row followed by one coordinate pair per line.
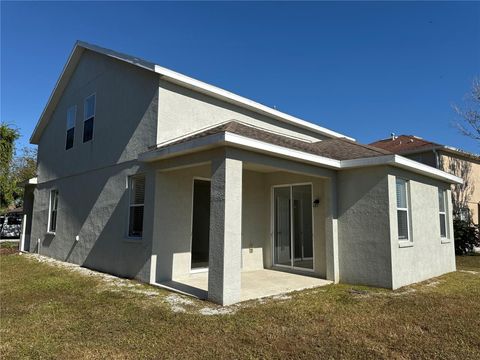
x,y
137,198
442,211
52,213
403,221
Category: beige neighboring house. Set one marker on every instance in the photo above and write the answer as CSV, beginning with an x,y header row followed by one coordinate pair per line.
x,y
149,174
466,196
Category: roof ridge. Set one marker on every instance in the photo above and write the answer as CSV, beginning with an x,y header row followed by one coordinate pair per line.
x,y
369,147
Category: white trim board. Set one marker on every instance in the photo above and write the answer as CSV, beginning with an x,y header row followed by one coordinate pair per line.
x,y
173,77
243,142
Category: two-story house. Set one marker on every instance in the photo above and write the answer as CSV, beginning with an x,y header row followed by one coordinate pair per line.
x,y
149,174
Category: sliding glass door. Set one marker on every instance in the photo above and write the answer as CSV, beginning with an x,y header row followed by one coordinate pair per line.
x,y
293,227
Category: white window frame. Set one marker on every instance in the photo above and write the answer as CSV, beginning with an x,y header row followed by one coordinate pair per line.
x,y
408,241
444,213
74,107
130,205
85,116
50,212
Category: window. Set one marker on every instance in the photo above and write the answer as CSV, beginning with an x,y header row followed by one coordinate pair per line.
x,y
442,205
52,213
89,117
71,116
402,210
137,196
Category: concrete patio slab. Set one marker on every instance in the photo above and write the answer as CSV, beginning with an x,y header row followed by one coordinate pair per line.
x,y
255,284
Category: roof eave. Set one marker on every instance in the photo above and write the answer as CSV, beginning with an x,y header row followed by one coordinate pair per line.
x,y
171,76
56,92
213,91
404,163
230,139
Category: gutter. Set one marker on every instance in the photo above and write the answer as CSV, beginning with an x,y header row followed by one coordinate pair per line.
x,y
238,141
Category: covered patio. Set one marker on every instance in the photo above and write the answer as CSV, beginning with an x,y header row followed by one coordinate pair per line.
x,y
255,284
232,224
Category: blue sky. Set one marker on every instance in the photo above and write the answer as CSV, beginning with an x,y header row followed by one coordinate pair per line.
x,y
362,69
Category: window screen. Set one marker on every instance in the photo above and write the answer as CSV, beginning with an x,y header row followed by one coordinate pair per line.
x,y
137,198
89,118
52,219
402,210
442,212
71,117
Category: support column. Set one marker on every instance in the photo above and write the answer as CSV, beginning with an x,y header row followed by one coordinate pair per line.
x,y
224,275
331,230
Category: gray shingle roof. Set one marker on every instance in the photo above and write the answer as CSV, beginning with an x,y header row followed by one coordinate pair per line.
x,y
338,149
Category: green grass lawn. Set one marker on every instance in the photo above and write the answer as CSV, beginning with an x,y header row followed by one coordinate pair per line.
x,y
52,312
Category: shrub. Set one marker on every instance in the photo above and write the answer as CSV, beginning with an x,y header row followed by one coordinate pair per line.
x,y
466,236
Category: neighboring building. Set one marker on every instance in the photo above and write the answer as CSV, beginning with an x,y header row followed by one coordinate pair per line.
x,y
149,174
466,196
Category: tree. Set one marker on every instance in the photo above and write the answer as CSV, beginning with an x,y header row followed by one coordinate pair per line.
x,y
469,115
24,167
8,136
466,236
14,168
461,193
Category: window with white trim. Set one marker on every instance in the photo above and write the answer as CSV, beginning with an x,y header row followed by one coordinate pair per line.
x,y
403,217
136,186
71,117
52,211
442,211
89,117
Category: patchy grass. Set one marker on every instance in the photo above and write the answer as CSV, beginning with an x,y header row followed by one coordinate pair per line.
x,y
9,247
50,311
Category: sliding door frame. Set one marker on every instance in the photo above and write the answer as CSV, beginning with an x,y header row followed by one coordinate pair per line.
x,y
273,229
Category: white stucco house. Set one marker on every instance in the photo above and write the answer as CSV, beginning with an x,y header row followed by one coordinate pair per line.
x,y
150,174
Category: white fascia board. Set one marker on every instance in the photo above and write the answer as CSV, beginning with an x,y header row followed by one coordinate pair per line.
x,y
194,145
261,146
239,141
232,98
55,94
404,163
32,181
173,77
119,56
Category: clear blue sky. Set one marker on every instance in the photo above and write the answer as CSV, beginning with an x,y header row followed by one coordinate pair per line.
x,y
363,69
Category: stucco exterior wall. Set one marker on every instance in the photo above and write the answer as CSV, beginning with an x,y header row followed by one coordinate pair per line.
x,y
91,177
428,256
364,227
172,232
173,219
125,118
191,111
99,217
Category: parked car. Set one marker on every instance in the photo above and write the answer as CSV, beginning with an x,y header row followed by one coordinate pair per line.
x,y
11,224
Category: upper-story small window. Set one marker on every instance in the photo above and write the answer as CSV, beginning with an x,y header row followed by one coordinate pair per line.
x,y
403,217
89,117
71,117
442,211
